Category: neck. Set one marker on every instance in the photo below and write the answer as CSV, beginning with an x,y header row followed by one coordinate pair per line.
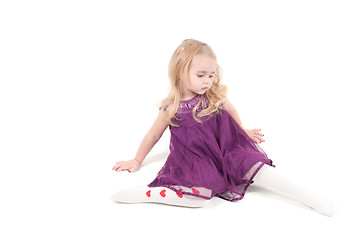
x,y
186,97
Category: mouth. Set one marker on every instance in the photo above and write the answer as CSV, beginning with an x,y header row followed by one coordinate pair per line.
x,y
205,88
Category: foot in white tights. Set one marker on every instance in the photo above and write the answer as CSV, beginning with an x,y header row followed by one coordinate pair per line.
x,y
270,178
157,195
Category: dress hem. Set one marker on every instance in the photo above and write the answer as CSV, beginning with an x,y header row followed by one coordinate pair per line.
x,y
219,195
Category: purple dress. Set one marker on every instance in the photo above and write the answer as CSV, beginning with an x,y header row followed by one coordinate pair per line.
x,y
212,158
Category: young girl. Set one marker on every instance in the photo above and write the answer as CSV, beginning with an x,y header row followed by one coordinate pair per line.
x,y
211,154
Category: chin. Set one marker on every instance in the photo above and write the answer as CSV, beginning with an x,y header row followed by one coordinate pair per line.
x,y
204,91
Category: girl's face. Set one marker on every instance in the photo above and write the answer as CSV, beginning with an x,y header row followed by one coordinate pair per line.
x,y
201,75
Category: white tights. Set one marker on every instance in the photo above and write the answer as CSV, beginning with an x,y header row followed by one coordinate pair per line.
x,y
272,179
157,195
268,178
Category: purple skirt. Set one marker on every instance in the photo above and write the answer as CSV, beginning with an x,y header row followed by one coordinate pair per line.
x,y
212,158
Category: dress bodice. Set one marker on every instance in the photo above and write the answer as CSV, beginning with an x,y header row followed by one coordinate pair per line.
x,y
186,106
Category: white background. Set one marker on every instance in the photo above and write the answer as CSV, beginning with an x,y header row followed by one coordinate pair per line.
x,y
79,85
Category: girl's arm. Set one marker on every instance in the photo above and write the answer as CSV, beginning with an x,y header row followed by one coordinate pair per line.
x,y
148,142
233,112
254,134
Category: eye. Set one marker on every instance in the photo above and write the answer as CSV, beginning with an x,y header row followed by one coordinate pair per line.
x,y
211,76
200,75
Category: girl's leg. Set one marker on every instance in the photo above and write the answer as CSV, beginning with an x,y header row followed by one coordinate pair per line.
x,y
270,178
157,195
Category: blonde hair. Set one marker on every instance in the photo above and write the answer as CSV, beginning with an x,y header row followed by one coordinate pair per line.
x,y
178,73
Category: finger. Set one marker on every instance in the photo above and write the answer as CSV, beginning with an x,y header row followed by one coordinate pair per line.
x,y
258,139
133,169
257,131
116,166
120,168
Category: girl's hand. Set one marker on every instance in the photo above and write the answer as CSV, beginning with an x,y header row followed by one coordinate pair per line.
x,y
255,135
130,166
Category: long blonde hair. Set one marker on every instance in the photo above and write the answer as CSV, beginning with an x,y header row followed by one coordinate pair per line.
x,y
178,73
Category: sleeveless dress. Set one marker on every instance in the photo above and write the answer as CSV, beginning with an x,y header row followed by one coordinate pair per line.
x,y
212,158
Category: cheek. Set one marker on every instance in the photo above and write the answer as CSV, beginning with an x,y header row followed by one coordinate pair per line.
x,y
194,81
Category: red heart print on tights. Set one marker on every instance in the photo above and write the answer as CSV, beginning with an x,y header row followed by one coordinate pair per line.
x,y
179,194
195,191
162,193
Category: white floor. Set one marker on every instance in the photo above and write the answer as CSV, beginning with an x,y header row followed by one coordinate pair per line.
x,y
73,201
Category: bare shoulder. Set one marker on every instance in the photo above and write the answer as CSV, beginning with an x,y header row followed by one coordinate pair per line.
x,y
162,119
159,126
